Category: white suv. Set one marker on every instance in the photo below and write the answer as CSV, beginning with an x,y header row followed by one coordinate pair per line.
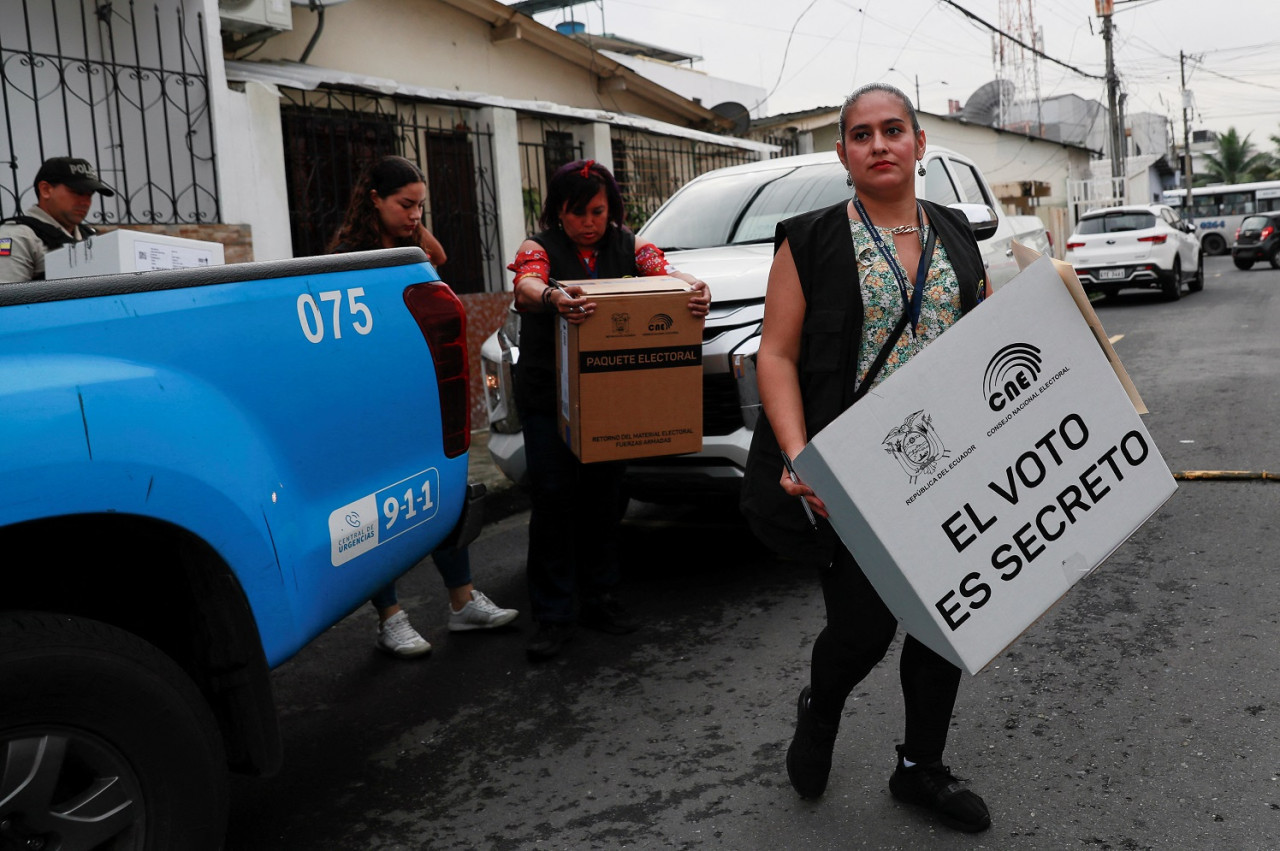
x,y
719,227
1145,245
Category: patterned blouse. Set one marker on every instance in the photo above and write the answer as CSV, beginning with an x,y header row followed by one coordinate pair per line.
x,y
882,302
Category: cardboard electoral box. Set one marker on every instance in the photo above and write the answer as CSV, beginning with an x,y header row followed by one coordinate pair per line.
x,y
631,375
982,480
130,251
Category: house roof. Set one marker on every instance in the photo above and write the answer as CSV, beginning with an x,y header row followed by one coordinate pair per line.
x,y
295,75
509,24
819,111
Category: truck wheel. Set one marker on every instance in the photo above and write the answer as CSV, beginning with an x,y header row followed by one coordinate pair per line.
x,y
1172,286
1196,284
1214,244
1242,262
104,742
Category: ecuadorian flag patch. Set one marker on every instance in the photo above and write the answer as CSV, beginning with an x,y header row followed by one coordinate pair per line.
x,y
6,245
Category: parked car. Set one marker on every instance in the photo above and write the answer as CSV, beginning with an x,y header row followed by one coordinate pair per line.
x,y
1257,238
720,228
1136,246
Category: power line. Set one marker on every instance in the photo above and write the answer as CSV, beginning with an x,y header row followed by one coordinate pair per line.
x,y
1019,42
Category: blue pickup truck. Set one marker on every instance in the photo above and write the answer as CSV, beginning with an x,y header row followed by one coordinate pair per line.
x,y
200,471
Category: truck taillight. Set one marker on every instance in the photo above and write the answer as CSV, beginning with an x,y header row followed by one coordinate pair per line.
x,y
1157,239
443,322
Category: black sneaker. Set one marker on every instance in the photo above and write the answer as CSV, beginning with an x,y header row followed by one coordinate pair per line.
x,y
547,641
935,788
606,614
809,757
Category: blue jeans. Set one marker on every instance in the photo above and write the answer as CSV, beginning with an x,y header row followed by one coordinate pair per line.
x,y
455,569
573,523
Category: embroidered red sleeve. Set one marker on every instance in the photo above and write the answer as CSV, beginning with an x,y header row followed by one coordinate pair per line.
x,y
651,261
534,263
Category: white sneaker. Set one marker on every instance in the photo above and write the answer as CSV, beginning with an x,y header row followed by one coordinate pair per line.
x,y
479,613
398,637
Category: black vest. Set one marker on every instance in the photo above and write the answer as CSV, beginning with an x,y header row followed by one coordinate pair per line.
x,y
51,235
830,342
536,371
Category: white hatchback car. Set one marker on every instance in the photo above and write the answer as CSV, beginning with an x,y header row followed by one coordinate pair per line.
x,y
1146,245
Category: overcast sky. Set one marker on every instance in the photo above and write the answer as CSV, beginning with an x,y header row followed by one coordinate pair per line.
x,y
840,44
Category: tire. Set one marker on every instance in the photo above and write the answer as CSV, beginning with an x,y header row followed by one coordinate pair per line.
x,y
1242,262
1196,284
90,708
1213,243
1110,292
1172,284
1274,259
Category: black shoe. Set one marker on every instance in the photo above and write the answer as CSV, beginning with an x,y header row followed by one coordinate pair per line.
x,y
547,641
935,788
809,757
606,614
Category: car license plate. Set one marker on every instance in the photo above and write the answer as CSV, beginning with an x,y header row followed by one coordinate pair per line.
x,y
1110,274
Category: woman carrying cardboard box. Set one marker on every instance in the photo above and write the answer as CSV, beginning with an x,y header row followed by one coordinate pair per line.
x,y
854,291
574,517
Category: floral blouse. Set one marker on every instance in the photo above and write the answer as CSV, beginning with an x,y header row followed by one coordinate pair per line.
x,y
882,302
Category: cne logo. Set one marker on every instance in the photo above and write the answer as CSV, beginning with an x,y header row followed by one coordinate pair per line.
x,y
660,322
1010,373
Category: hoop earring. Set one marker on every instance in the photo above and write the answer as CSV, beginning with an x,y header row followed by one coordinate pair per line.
x,y
848,179
920,170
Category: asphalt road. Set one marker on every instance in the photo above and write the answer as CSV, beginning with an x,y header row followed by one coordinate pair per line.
x,y
1139,713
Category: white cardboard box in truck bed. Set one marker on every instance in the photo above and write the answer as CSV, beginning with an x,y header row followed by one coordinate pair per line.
x,y
130,251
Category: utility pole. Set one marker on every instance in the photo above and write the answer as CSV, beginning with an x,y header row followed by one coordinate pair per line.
x,y
1186,139
1105,10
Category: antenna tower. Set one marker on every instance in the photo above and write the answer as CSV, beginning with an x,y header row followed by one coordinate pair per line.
x,y
1020,67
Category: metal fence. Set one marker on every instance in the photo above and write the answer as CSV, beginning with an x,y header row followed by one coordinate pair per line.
x,y
651,168
331,135
121,84
538,161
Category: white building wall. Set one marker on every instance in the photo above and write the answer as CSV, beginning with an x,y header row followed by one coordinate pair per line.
x,y
250,148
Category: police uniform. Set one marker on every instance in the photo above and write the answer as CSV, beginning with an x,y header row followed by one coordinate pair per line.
x,y
25,239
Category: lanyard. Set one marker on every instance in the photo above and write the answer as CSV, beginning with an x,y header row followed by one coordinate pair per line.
x,y
912,307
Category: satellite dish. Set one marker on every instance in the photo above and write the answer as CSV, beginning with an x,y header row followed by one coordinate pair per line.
x,y
983,106
735,112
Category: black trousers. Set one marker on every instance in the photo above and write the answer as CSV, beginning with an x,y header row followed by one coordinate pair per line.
x,y
857,636
573,523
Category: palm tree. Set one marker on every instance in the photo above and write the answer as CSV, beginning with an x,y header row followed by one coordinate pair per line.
x,y
1236,161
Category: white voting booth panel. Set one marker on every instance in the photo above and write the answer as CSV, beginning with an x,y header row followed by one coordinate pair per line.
x,y
982,480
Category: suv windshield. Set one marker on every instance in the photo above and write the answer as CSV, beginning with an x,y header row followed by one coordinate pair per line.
x,y
1116,222
740,208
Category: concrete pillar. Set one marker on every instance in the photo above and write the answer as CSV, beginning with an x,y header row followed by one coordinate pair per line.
x,y
596,143
250,152
508,183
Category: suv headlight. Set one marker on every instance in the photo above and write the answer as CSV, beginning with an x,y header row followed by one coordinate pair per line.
x,y
498,383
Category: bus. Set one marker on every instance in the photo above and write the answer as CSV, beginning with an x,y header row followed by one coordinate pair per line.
x,y
1218,210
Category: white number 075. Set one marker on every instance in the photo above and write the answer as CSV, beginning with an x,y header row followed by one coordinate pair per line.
x,y
311,318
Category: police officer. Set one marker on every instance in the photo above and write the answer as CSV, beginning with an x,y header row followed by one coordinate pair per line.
x,y
64,191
